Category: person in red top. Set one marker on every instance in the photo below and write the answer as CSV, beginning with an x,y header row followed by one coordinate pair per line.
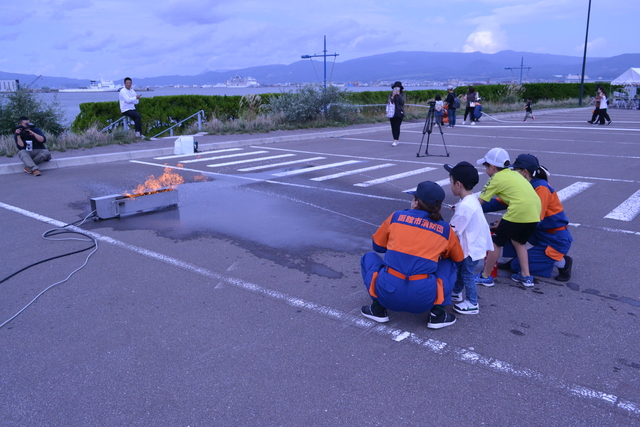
x,y
418,271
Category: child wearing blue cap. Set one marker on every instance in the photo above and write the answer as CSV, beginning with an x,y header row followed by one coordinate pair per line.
x,y
472,229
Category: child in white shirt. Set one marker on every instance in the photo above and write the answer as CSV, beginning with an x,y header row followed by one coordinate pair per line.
x,y
472,229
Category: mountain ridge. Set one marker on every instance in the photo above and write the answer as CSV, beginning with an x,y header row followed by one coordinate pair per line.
x,y
400,65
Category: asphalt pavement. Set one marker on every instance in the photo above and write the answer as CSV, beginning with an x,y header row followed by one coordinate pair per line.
x,y
240,306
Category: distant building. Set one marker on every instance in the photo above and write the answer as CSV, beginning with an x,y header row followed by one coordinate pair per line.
x,y
9,85
575,78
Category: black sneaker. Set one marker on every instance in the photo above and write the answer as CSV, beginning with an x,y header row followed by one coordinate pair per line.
x,y
375,312
565,272
438,318
505,265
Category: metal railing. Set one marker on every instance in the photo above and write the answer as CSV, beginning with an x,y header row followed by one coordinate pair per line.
x,y
126,122
200,115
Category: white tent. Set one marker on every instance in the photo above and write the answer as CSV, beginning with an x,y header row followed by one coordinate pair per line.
x,y
631,77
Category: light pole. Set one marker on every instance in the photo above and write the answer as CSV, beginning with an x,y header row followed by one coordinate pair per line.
x,y
324,55
584,57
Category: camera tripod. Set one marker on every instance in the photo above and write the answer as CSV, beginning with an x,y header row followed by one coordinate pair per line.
x,y
428,128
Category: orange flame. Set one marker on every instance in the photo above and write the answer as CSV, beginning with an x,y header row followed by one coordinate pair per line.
x,y
201,177
169,179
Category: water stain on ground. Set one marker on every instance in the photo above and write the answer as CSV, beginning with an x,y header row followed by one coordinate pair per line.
x,y
279,229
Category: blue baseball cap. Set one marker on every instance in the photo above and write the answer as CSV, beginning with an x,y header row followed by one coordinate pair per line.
x,y
429,192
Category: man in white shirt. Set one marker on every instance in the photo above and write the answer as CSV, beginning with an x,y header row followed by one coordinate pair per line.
x,y
128,101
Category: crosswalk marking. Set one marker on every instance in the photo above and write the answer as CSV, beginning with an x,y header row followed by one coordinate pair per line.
x,y
315,168
276,165
573,190
175,156
627,210
393,177
353,172
205,159
237,162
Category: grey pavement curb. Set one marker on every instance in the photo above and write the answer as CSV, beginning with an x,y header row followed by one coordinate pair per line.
x,y
166,151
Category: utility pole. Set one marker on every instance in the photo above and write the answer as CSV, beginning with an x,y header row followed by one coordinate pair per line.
x,y
584,57
521,67
324,54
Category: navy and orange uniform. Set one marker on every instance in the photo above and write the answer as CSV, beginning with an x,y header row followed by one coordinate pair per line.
x,y
551,240
418,270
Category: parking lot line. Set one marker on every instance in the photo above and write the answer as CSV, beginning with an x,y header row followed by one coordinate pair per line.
x,y
276,165
353,172
316,168
238,162
393,177
627,210
228,156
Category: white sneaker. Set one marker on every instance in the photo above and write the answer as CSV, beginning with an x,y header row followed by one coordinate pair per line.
x,y
465,307
464,123
456,297
394,143
473,123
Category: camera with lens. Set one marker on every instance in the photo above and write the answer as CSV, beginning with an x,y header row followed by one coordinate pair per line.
x,y
28,126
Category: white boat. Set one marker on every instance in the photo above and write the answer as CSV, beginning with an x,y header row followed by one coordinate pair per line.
x,y
96,86
240,82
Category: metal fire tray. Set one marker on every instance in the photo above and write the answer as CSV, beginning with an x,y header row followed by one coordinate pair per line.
x,y
117,205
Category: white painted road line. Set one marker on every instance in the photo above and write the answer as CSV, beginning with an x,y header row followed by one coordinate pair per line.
x,y
440,348
573,190
176,156
228,156
237,162
353,172
627,210
393,177
276,165
316,168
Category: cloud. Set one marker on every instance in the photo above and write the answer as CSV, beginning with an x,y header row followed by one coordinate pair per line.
x,y
9,36
196,12
485,41
96,45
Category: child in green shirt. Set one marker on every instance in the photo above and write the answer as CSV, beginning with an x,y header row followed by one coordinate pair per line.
x,y
518,223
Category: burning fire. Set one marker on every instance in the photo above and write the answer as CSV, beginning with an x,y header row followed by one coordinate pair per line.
x,y
169,179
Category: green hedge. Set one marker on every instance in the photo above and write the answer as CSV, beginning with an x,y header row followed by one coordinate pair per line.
x,y
161,112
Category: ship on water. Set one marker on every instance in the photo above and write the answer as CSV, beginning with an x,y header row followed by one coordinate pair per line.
x,y
240,82
96,86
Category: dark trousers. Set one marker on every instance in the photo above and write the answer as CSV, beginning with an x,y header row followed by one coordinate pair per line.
x,y
137,119
604,116
469,112
395,127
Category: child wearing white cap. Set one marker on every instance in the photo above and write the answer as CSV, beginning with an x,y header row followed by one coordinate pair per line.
x,y
520,220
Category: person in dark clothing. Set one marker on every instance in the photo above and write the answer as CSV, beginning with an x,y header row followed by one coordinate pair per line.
x,y
472,97
31,149
398,97
451,102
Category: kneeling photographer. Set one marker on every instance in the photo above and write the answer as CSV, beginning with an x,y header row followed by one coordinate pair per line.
x,y
30,142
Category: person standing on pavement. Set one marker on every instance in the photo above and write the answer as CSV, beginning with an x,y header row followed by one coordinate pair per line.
x,y
472,97
418,271
398,97
30,141
472,229
518,223
604,105
453,104
128,100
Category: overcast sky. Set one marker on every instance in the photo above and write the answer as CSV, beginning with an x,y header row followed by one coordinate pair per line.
x,y
147,38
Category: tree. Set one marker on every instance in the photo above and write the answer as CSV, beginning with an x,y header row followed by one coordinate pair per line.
x,y
23,103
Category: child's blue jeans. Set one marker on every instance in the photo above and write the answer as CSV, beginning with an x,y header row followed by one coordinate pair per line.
x,y
466,281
